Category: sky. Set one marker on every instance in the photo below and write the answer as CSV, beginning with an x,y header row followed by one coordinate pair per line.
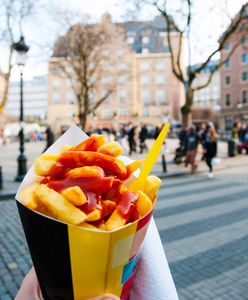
x,y
41,32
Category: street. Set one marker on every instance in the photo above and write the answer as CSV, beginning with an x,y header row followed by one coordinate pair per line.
x,y
202,223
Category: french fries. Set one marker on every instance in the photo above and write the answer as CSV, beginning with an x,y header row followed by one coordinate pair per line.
x,y
75,195
84,185
111,148
58,206
28,197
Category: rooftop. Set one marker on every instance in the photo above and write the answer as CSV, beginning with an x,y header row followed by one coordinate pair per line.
x,y
142,36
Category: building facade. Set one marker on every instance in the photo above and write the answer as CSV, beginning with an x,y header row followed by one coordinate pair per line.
x,y
234,79
207,100
146,89
35,95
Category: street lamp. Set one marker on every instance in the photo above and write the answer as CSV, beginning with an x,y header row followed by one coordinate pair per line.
x,y
21,49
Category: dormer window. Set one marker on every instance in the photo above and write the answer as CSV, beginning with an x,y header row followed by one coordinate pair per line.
x,y
145,40
130,40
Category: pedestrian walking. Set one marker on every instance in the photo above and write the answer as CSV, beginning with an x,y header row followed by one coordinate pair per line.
x,y
142,137
157,131
131,134
202,136
210,143
49,137
190,144
120,134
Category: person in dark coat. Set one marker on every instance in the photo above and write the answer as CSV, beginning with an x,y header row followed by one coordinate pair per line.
x,y
157,131
142,137
131,138
210,147
49,137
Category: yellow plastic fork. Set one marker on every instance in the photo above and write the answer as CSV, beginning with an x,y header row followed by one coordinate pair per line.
x,y
150,160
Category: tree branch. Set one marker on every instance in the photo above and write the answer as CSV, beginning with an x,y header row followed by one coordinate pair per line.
x,y
232,28
217,67
169,25
101,100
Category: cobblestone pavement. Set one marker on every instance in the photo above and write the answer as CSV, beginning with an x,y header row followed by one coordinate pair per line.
x,y
203,226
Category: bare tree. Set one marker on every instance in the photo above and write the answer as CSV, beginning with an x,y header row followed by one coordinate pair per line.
x,y
12,13
86,56
179,18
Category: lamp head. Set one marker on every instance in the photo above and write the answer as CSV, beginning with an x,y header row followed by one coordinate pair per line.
x,y
21,48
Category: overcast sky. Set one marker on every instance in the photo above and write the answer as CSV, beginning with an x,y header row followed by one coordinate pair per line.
x,y
43,30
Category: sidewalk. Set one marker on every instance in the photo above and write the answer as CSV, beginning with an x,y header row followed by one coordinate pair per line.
x,y
9,168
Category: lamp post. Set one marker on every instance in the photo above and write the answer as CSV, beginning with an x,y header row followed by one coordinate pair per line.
x,y
21,49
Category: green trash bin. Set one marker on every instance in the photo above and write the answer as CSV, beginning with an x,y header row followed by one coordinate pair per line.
x,y
232,148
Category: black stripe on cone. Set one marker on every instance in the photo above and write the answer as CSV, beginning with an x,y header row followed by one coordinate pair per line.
x,y
49,248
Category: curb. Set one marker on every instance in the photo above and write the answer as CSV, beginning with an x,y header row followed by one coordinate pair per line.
x,y
161,175
7,196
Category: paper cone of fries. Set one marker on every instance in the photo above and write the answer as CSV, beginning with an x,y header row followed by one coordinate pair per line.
x,y
76,263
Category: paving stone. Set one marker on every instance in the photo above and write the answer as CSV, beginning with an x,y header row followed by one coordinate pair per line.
x,y
6,297
12,266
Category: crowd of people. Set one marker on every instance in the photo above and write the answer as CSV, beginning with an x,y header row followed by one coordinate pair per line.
x,y
135,135
240,136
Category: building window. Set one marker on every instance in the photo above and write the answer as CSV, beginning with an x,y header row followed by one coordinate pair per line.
x,y
107,80
145,112
244,58
130,39
123,112
123,65
160,79
145,50
245,96
160,65
160,96
122,79
120,52
228,123
144,79
228,79
107,113
123,96
71,98
145,96
56,98
227,46
228,63
145,39
144,65
56,82
228,99
244,76
70,114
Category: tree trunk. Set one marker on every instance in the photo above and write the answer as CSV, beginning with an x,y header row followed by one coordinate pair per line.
x,y
82,114
186,108
82,119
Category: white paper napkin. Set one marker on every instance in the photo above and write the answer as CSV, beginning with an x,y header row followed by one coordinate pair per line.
x,y
153,280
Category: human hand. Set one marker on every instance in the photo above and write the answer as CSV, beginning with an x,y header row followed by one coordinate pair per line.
x,y
30,289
